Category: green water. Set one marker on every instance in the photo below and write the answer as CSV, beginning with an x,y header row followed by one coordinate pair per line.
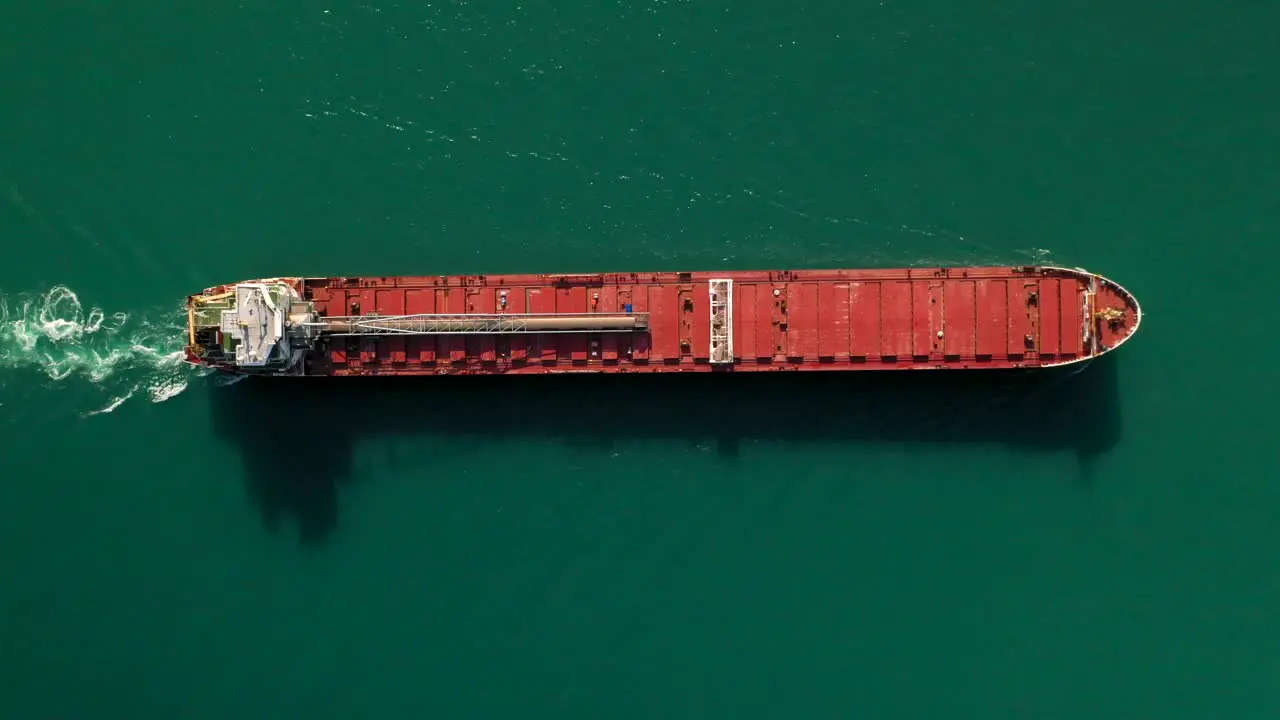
x,y
1104,547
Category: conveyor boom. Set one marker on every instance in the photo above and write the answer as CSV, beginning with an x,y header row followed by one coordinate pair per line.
x,y
482,324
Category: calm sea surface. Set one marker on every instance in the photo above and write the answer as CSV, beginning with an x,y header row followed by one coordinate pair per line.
x,y
1102,547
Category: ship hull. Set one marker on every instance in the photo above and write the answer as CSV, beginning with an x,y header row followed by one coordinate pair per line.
x,y
964,318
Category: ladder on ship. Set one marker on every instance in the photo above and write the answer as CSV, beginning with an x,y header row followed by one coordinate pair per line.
x,y
721,292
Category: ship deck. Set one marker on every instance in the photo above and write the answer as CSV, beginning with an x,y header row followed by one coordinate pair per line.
x,y
786,320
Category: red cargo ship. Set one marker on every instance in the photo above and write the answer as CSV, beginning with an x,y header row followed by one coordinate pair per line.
x,y
748,321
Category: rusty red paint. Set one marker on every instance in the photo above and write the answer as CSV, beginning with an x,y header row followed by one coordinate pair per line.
x,y
992,317
1021,326
833,321
960,335
896,320
1050,317
987,317
1071,304
744,321
864,313
764,323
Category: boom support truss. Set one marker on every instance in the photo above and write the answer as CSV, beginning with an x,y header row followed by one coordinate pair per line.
x,y
721,295
481,324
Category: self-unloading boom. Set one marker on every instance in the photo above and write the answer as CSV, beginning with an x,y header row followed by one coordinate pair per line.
x,y
483,324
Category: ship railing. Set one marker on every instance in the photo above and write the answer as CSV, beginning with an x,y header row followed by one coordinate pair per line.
x,y
481,323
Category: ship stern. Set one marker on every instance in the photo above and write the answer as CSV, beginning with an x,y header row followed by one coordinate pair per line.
x,y
204,321
255,327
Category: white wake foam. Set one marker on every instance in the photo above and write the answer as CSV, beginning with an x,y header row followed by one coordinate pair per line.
x,y
121,355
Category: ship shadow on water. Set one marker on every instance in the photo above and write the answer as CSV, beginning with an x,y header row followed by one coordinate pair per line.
x,y
297,437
